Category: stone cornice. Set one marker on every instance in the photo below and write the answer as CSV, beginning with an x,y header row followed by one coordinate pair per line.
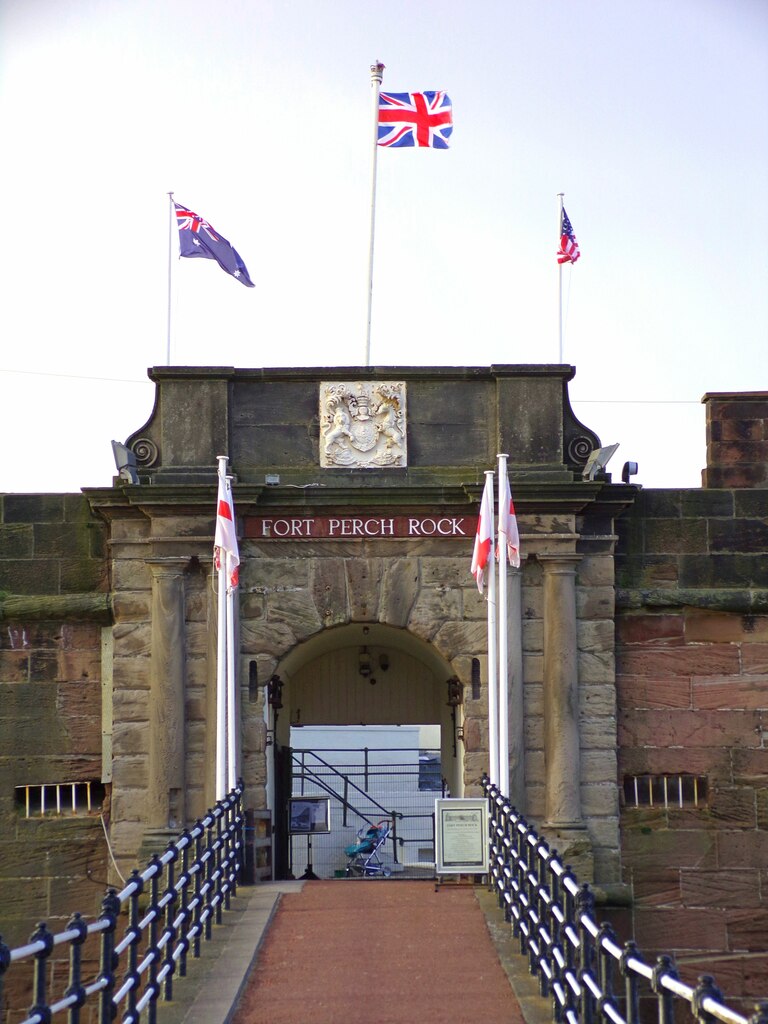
x,y
725,599
360,493
54,607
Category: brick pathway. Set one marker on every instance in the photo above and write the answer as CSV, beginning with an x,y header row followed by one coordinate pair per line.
x,y
378,952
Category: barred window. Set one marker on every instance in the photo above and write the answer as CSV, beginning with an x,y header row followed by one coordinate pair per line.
x,y
681,790
59,799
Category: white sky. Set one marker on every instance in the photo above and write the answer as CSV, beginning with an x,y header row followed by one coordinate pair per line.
x,y
650,115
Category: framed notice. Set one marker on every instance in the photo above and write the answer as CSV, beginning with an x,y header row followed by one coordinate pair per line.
x,y
309,815
461,836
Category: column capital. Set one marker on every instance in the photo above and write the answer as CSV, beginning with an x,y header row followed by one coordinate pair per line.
x,y
163,566
565,562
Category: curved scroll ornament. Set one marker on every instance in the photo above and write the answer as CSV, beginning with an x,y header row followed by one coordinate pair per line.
x,y
362,424
146,452
578,440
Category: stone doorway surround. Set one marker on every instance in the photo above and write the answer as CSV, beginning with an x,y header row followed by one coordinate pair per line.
x,y
562,708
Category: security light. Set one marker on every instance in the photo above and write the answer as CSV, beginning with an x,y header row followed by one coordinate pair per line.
x,y
598,459
125,461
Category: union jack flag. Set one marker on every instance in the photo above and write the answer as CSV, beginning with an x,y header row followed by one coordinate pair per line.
x,y
415,119
197,238
569,247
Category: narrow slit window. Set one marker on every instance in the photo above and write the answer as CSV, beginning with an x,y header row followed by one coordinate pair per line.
x,y
667,791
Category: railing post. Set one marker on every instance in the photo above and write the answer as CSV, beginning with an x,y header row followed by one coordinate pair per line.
x,y
5,963
706,989
605,968
184,881
666,1010
760,1016
134,933
152,950
631,986
110,908
40,1006
75,987
219,872
172,897
198,889
585,904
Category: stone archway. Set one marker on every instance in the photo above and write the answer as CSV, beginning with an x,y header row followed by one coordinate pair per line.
x,y
403,682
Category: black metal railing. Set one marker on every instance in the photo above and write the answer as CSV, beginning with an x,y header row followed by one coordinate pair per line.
x,y
579,964
171,906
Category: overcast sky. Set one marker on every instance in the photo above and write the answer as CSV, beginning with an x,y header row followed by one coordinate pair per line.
x,y
650,115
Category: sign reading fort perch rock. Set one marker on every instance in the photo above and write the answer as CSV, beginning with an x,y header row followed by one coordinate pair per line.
x,y
350,527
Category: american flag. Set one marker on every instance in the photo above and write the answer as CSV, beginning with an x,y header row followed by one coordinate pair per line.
x,y
569,247
415,119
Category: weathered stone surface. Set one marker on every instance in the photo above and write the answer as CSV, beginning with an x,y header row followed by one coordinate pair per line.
x,y
430,608
329,587
273,638
297,610
399,590
596,666
732,694
645,692
721,888
363,586
686,729
455,638
701,660
641,628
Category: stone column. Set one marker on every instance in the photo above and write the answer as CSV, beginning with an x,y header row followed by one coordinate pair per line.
x,y
561,693
516,706
166,812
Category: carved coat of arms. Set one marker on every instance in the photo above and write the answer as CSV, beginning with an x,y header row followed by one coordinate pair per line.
x,y
362,425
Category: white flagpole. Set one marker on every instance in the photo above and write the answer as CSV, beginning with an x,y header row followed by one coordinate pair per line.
x,y
171,219
560,196
221,664
503,647
377,70
493,673
232,732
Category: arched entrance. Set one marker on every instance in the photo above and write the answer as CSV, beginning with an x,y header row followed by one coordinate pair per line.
x,y
371,719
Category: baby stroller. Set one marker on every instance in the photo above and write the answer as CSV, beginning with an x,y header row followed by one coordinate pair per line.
x,y
363,855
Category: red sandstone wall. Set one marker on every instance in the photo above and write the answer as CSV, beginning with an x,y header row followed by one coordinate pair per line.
x,y
692,689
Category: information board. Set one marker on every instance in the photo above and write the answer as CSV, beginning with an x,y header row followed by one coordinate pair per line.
x,y
309,815
461,836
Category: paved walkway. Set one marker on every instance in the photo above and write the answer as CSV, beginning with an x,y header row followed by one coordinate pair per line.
x,y
378,951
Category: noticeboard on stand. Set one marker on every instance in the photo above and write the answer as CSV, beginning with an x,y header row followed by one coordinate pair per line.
x,y
461,836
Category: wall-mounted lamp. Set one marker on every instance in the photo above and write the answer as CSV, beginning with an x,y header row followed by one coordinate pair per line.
x,y
365,665
275,693
629,469
455,692
275,701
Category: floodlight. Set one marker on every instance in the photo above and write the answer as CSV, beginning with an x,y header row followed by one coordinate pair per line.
x,y
629,469
125,460
598,459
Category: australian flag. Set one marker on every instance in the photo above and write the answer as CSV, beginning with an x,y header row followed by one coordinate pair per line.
x,y
415,119
197,238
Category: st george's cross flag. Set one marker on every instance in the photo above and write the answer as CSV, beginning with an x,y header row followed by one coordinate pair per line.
x,y
569,247
508,531
484,537
415,119
198,239
226,555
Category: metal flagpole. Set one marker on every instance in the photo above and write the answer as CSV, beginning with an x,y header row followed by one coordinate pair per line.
x,y
560,196
232,733
493,674
377,70
221,664
171,219
503,644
